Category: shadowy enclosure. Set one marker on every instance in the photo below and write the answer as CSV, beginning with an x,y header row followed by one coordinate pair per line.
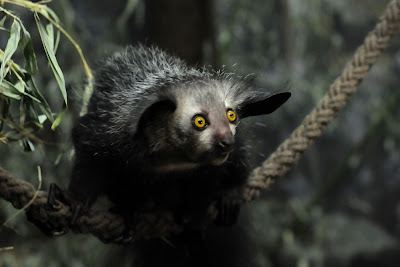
x,y
339,204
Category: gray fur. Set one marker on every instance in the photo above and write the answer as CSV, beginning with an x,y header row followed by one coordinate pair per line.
x,y
130,81
139,128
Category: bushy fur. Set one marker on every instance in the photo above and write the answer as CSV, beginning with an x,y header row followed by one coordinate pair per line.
x,y
128,82
135,145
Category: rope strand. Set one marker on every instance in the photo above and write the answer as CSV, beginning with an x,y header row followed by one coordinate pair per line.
x,y
290,151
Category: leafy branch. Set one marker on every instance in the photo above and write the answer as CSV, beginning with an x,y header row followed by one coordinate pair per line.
x,y
17,85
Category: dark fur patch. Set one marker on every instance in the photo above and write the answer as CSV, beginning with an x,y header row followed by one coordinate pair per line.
x,y
129,130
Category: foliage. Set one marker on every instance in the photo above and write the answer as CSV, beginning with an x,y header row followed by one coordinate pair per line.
x,y
23,108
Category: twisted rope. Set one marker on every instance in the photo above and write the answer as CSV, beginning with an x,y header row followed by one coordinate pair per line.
x,y
105,224
290,151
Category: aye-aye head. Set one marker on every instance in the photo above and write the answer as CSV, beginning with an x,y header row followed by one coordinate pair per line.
x,y
194,123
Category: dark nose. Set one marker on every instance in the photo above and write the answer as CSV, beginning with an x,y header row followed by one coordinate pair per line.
x,y
226,142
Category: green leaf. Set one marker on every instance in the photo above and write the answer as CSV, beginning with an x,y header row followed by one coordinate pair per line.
x,y
44,106
50,34
49,49
13,90
29,53
27,145
30,59
2,21
59,118
19,87
57,40
31,118
15,68
11,46
42,118
4,29
2,24
53,14
54,42
6,88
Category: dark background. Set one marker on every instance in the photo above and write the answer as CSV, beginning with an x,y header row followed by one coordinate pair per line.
x,y
339,206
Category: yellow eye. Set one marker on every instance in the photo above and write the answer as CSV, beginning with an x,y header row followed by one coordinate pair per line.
x,y
199,121
231,115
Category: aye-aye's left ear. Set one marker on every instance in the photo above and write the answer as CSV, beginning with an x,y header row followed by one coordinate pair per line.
x,y
263,103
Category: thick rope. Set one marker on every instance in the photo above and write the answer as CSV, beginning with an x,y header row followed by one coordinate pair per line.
x,y
106,225
290,151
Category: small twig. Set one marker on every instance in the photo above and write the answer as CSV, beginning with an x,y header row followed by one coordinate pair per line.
x,y
40,8
21,130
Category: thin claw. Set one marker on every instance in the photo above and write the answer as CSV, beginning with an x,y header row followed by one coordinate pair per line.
x,y
127,240
51,198
122,240
56,206
59,233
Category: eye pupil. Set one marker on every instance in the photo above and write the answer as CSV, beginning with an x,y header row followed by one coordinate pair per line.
x,y
199,122
231,115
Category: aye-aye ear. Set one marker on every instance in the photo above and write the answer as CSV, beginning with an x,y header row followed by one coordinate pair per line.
x,y
147,110
263,103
